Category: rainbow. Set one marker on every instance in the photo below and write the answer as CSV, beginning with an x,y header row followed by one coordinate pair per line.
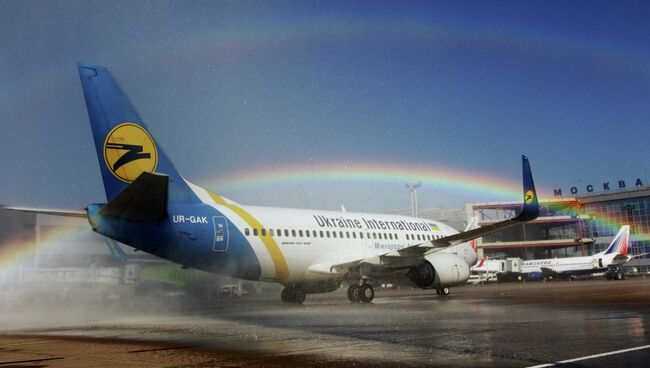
x,y
16,253
398,173
239,40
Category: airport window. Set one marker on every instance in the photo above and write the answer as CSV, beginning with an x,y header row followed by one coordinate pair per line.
x,y
286,232
247,231
263,232
255,232
293,233
300,233
271,232
321,234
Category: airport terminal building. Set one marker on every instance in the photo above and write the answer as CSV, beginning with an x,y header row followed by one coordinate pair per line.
x,y
570,226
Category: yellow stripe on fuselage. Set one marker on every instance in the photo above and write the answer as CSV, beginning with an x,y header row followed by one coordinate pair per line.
x,y
281,268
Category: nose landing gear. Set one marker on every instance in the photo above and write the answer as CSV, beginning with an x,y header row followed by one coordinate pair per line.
x,y
443,291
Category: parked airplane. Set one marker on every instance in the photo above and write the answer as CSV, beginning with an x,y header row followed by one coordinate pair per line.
x,y
153,208
616,253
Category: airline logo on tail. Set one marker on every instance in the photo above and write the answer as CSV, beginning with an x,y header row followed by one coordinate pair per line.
x,y
129,151
620,242
530,197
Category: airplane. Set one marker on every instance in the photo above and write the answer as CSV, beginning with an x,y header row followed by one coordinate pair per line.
x,y
152,207
615,254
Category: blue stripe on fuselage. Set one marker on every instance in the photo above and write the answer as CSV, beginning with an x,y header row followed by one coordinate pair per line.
x,y
189,243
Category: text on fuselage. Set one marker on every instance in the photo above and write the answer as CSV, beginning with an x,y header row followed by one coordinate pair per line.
x,y
191,219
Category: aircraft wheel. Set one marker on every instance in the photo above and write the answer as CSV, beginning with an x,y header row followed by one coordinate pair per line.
x,y
366,293
287,294
354,293
293,295
298,296
444,291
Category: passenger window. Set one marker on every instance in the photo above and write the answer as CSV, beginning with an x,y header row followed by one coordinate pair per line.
x,y
374,235
271,232
300,233
341,234
354,235
247,231
307,233
286,232
347,234
255,231
321,234
360,235
279,232
263,232
333,234
293,233
328,234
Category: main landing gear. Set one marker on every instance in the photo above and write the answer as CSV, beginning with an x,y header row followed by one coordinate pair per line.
x,y
363,293
293,294
442,291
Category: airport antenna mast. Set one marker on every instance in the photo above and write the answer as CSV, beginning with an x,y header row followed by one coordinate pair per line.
x,y
413,188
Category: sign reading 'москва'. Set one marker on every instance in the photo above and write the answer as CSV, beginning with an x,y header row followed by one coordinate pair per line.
x,y
606,186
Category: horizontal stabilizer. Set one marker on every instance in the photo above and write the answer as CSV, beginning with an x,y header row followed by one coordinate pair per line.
x,y
45,211
144,199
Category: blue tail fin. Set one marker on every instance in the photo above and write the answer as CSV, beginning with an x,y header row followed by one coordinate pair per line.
x,y
530,208
125,147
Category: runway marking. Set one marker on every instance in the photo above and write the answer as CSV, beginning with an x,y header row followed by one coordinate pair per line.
x,y
591,357
30,361
160,349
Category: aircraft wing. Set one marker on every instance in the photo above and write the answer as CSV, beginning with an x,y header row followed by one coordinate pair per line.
x,y
45,211
622,259
413,255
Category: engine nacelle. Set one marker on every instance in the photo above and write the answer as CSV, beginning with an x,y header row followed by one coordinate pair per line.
x,y
440,269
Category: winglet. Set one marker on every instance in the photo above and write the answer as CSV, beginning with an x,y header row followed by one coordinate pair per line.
x,y
530,207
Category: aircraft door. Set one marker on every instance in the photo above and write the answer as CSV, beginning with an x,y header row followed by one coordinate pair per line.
x,y
220,243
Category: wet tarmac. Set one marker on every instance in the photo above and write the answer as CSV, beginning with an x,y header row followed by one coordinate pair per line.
x,y
593,323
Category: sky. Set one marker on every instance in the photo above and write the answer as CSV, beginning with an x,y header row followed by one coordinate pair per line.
x,y
314,104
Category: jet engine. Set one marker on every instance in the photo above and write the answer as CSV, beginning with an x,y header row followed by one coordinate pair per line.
x,y
439,269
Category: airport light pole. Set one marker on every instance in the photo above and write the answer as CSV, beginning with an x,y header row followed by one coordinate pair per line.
x,y
413,188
